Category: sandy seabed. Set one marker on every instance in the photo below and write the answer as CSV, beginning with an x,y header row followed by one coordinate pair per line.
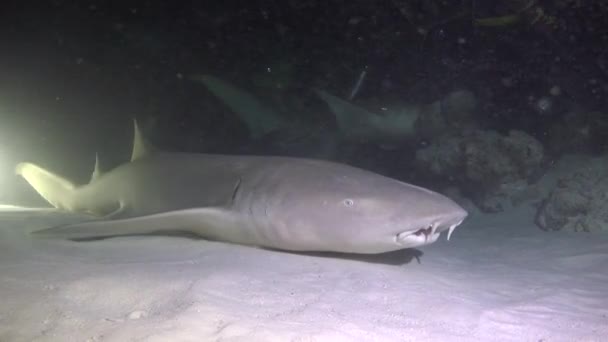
x,y
499,279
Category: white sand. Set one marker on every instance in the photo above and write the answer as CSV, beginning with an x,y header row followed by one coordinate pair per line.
x,y
499,279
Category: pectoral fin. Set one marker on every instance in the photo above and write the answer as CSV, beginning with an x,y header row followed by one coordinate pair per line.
x,y
208,223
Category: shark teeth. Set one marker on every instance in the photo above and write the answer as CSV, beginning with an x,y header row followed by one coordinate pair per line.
x,y
433,228
451,230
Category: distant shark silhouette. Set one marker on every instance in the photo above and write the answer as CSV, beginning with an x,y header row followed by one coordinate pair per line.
x,y
284,203
355,123
358,124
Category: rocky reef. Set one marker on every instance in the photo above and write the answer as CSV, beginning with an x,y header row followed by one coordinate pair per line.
x,y
578,200
494,170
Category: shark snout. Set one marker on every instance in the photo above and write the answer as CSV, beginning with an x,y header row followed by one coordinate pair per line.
x,y
451,220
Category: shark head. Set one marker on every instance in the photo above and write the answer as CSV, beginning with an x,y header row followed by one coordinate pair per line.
x,y
355,211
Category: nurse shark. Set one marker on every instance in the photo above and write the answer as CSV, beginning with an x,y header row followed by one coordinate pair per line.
x,y
292,204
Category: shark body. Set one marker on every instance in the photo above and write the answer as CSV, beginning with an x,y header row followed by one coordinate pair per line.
x,y
284,203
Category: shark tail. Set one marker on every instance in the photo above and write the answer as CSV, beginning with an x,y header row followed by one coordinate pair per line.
x,y
56,190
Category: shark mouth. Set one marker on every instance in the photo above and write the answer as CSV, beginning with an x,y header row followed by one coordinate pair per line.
x,y
422,236
432,229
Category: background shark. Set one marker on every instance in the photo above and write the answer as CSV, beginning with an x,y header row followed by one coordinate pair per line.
x,y
390,128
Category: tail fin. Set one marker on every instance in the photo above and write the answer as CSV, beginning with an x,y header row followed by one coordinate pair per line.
x,y
56,190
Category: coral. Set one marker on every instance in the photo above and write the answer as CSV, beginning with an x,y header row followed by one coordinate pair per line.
x,y
493,167
578,202
525,151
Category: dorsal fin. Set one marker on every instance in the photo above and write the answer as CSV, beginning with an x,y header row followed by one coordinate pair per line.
x,y
97,170
141,147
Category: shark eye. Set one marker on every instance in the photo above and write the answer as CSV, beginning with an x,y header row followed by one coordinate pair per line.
x,y
349,202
